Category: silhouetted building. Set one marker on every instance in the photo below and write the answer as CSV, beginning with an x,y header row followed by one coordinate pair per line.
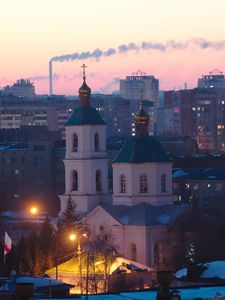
x,y
198,113
22,88
214,79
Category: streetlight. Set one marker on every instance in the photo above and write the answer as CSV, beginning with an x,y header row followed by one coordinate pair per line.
x,y
34,211
72,238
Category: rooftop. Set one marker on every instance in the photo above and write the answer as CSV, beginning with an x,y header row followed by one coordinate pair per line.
x,y
143,149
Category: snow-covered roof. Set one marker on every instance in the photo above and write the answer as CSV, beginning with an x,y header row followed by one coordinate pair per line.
x,y
145,214
37,281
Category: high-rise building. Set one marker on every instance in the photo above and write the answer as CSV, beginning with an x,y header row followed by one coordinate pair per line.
x,y
198,113
215,79
176,115
22,88
139,85
209,118
139,82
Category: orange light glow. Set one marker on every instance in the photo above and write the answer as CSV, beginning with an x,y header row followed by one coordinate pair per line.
x,y
72,237
33,210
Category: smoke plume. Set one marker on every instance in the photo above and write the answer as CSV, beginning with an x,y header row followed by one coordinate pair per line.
x,y
43,77
199,43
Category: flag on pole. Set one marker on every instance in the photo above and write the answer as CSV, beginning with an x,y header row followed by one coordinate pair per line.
x,y
7,244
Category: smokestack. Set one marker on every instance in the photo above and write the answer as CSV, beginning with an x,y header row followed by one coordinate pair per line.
x,y
50,78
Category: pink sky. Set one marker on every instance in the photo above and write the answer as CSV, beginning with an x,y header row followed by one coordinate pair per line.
x,y
32,32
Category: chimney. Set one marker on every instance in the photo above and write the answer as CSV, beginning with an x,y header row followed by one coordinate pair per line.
x,y
50,78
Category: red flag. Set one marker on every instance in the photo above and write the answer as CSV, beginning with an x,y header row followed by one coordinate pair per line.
x,y
7,244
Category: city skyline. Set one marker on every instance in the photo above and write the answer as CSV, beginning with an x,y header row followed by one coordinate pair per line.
x,y
176,42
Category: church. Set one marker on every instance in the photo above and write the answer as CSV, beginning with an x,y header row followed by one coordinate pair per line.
x,y
141,206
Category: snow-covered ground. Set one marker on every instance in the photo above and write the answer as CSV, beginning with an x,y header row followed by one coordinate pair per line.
x,y
186,294
214,269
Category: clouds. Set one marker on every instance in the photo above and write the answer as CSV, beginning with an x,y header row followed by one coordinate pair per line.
x,y
199,43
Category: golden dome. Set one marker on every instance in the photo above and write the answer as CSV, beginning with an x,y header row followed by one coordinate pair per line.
x,y
84,90
141,117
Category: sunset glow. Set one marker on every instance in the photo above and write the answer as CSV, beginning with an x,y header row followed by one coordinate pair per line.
x,y
185,39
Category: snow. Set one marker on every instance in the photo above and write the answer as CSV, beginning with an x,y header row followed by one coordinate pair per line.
x,y
214,269
37,281
179,173
181,273
185,293
120,261
164,219
124,219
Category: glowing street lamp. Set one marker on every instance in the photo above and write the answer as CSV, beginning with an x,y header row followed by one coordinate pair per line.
x,y
34,211
72,238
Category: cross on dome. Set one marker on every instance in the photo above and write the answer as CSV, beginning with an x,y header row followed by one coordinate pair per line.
x,y
83,67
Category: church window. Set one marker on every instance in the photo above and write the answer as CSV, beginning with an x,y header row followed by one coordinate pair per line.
x,y
75,142
75,181
163,183
156,255
133,252
122,184
97,145
143,184
98,178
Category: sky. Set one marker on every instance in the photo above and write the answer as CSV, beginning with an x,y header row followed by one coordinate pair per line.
x,y
175,40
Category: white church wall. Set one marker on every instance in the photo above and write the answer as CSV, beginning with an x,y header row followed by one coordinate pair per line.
x,y
132,173
86,143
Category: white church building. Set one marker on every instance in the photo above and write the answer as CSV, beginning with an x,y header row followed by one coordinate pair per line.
x,y
137,213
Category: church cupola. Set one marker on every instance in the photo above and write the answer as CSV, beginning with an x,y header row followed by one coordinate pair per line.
x,y
141,120
84,91
142,170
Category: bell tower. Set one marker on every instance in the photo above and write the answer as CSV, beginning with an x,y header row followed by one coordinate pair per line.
x,y
86,161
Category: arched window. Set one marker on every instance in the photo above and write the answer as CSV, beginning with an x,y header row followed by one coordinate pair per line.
x,y
156,255
75,142
97,146
143,184
122,184
98,180
74,181
133,252
163,183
